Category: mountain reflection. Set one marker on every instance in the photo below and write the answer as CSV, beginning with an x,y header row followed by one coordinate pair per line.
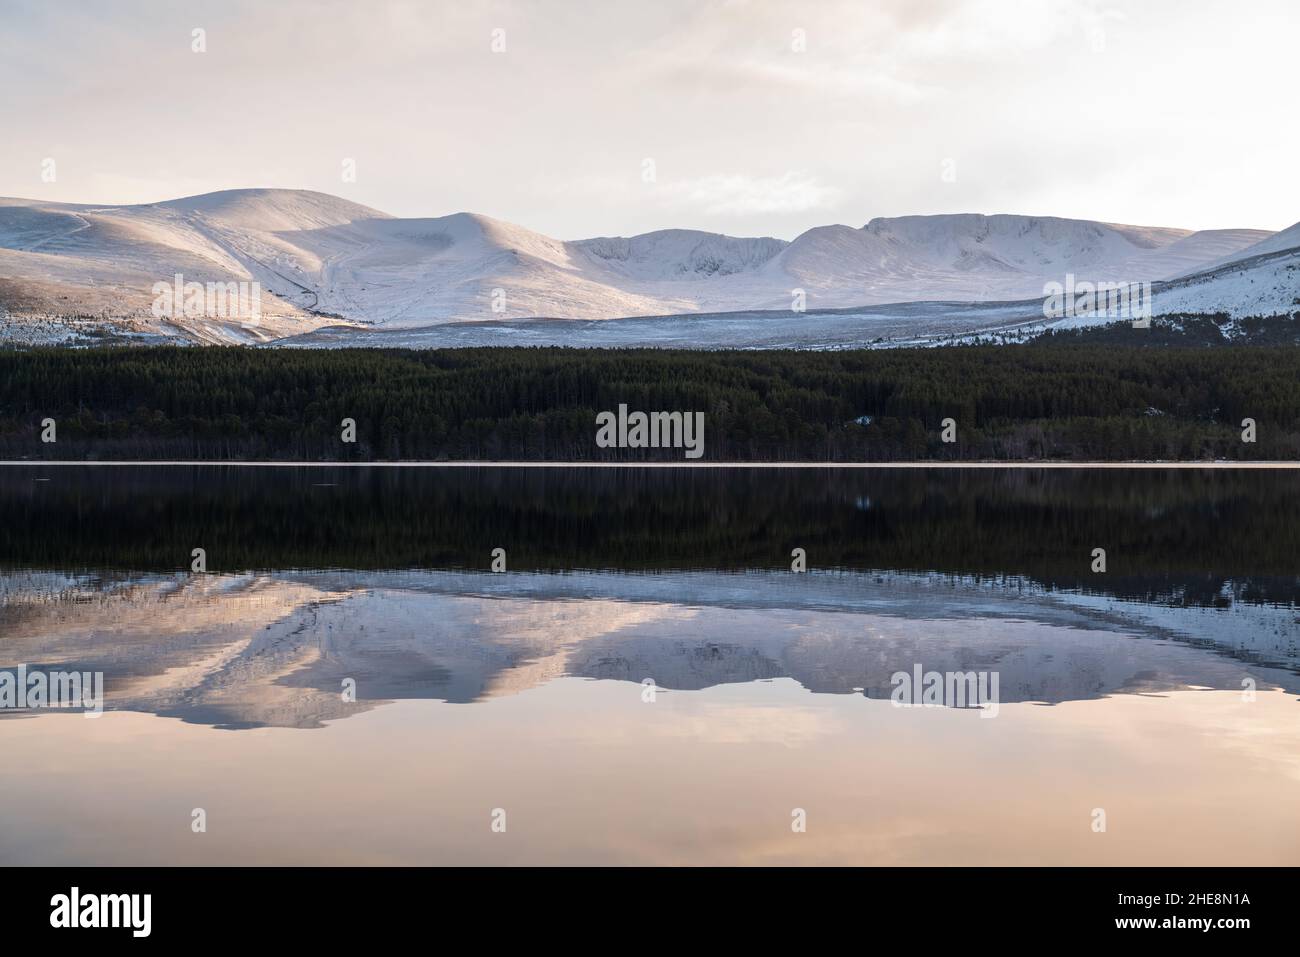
x,y
275,648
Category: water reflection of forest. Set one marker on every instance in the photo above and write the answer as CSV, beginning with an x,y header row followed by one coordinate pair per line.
x,y
1163,531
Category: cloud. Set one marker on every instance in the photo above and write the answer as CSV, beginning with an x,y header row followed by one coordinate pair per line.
x,y
741,195
552,133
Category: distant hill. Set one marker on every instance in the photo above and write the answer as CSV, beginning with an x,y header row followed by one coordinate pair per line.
x,y
321,260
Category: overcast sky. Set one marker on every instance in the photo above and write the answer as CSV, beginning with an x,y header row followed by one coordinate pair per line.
x,y
1158,112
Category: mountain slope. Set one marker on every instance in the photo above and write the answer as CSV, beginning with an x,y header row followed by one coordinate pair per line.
x,y
1288,238
320,259
681,254
972,257
1267,284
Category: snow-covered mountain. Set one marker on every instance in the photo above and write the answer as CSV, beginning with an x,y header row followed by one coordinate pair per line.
x,y
670,254
1283,241
321,260
1262,280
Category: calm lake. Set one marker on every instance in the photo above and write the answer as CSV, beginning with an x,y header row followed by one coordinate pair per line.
x,y
646,679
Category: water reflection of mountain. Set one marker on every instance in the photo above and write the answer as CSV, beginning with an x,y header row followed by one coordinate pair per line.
x,y
274,649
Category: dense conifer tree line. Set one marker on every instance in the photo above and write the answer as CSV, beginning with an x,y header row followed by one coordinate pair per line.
x,y
1048,400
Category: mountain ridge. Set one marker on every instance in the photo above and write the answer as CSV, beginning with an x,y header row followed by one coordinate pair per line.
x,y
322,259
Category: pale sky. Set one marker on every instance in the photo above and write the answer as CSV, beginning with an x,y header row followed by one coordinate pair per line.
x,y
1156,112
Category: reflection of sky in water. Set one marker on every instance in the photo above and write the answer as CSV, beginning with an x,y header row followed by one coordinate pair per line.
x,y
757,714
589,773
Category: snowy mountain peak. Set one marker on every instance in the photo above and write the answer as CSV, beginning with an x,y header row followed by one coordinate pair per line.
x,y
320,258
271,209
